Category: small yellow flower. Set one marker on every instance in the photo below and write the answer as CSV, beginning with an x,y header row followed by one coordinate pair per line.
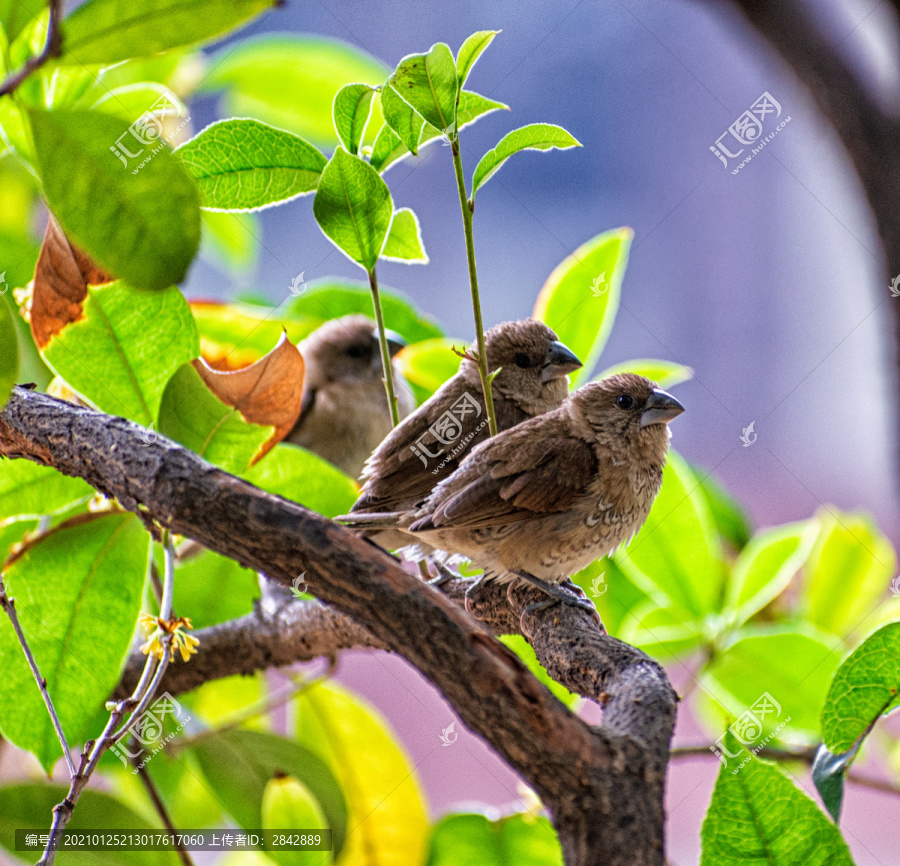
x,y
176,627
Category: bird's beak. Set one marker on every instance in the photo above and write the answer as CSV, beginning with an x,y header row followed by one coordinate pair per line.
x,y
661,408
560,361
394,341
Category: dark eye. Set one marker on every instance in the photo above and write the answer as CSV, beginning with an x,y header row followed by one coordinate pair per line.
x,y
522,360
625,401
357,351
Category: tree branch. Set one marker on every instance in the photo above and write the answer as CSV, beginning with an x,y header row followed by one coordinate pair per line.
x,y
52,48
603,786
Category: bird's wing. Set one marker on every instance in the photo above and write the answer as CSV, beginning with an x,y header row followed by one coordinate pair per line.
x,y
512,479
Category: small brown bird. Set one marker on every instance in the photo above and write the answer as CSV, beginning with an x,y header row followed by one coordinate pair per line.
x,y
345,412
546,498
431,442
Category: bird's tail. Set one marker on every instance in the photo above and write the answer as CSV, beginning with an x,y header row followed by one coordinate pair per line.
x,y
371,520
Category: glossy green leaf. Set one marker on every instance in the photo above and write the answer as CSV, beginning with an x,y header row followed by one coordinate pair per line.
x,y
474,840
731,520
287,804
106,31
665,633
850,569
299,475
581,297
428,82
428,364
526,652
331,299
401,117
211,589
404,240
676,552
353,208
828,774
470,51
143,222
29,806
387,819
243,164
264,76
121,354
664,373
230,241
866,686
535,136
351,110
757,817
471,107
9,342
615,596
238,765
130,101
766,565
30,490
192,415
12,532
78,593
387,149
794,667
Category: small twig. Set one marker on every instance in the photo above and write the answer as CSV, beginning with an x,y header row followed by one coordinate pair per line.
x,y
466,206
9,605
52,48
385,353
145,777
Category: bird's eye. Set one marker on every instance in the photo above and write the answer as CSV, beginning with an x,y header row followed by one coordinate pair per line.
x,y
357,351
625,401
522,360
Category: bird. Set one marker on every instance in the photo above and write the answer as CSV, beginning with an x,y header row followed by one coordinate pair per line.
x,y
425,448
542,500
344,411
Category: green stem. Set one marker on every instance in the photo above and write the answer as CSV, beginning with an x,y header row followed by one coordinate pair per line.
x,y
466,206
385,353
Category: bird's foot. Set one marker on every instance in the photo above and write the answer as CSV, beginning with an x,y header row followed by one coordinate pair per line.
x,y
445,574
566,593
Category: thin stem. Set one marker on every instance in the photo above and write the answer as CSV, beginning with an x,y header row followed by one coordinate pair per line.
x,y
152,791
52,48
467,207
386,365
9,605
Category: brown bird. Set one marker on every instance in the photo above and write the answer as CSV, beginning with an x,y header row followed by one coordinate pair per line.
x,y
344,413
546,498
430,443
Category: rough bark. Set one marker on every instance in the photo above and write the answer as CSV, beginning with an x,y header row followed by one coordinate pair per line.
x,y
603,786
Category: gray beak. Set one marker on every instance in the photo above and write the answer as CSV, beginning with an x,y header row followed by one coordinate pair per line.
x,y
560,361
661,408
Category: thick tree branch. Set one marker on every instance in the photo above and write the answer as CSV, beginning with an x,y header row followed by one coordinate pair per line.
x,y
603,786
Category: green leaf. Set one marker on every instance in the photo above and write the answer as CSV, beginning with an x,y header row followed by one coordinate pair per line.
x,y
387,813
598,263
765,567
130,101
535,136
9,342
29,806
664,373
298,475
331,299
141,223
387,149
192,415
428,82
211,589
238,765
78,593
120,355
14,16
401,117
663,632
352,107
106,31
404,241
474,840
353,208
428,364
287,804
30,490
794,667
828,774
471,107
526,652
230,240
615,596
757,816
731,521
470,51
848,572
265,75
676,552
865,687
243,165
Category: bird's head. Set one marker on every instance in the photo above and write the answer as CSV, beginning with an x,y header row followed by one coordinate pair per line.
x,y
347,350
534,364
628,413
